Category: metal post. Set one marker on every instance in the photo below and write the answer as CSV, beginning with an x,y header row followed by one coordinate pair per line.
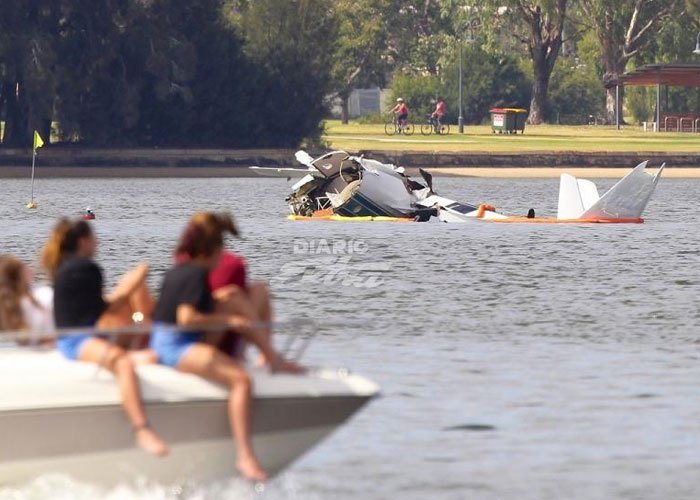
x,y
460,120
617,106
657,125
33,163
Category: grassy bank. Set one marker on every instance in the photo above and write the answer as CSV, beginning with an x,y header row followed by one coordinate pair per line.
x,y
541,138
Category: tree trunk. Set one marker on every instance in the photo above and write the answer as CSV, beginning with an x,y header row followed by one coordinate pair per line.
x,y
15,117
544,42
614,63
344,111
538,100
610,107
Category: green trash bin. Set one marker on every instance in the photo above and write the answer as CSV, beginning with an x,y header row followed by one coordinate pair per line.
x,y
508,120
501,120
520,119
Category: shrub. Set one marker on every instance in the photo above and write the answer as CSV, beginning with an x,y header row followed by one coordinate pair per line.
x,y
419,91
488,80
575,90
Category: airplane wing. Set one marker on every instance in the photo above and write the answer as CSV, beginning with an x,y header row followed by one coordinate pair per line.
x,y
281,172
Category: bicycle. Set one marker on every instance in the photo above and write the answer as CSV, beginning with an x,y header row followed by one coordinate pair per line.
x,y
431,126
394,127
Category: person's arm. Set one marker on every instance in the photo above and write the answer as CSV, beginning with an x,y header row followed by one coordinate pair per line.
x,y
127,286
226,293
188,316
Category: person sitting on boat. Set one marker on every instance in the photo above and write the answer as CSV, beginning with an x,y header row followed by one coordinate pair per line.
x,y
186,309
401,111
80,302
23,307
228,282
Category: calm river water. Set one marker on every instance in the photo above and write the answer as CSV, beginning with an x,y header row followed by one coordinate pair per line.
x,y
517,361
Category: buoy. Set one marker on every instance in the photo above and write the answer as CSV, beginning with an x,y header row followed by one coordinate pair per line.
x,y
88,214
31,204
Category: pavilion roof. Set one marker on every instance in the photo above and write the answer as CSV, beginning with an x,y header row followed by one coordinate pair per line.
x,y
676,75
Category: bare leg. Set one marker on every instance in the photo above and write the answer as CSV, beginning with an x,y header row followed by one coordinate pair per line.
x,y
259,295
253,304
140,301
260,337
114,359
208,362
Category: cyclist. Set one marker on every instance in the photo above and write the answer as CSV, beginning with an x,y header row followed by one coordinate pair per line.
x,y
401,110
438,114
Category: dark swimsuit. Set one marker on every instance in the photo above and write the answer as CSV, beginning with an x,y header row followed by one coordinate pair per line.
x,y
185,283
78,301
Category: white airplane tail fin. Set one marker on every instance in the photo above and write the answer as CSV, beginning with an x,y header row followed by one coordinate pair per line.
x,y
589,193
628,198
570,198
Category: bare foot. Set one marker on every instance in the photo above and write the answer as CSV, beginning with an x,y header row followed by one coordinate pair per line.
x,y
250,469
149,442
143,357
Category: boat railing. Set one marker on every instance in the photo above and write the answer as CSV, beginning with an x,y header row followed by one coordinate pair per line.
x,y
293,347
323,203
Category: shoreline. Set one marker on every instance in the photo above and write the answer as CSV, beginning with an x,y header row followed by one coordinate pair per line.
x,y
72,162
555,172
240,172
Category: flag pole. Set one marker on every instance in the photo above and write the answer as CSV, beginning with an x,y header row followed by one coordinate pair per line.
x,y
32,203
37,143
33,165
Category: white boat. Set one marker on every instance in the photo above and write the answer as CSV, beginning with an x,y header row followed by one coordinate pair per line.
x,y
338,186
65,417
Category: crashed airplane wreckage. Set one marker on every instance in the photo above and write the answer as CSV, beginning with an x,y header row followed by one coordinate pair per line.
x,y
338,186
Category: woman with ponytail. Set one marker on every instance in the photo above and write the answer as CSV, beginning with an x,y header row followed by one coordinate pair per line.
x,y
80,302
186,302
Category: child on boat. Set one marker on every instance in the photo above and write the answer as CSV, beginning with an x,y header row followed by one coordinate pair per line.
x,y
79,302
186,302
23,307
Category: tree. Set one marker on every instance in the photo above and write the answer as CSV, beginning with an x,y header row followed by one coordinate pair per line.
x,y
544,36
27,61
288,40
539,26
624,29
361,48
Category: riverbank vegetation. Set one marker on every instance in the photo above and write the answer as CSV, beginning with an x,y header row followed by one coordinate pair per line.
x,y
264,73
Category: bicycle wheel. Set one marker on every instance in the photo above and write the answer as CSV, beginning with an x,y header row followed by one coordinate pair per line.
x,y
390,128
408,129
426,129
445,129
